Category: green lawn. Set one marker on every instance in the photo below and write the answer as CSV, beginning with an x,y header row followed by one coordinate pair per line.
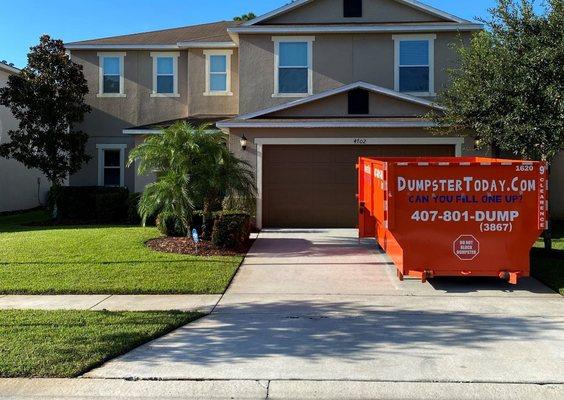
x,y
549,268
69,343
99,259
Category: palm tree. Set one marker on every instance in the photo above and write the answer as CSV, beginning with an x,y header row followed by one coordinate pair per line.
x,y
194,168
220,175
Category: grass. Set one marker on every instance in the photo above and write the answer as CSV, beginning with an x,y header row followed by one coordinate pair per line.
x,y
69,343
549,267
100,259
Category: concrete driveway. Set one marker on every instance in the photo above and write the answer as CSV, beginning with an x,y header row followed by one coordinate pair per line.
x,y
319,305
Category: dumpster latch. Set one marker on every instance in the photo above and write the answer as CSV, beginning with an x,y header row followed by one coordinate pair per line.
x,y
361,207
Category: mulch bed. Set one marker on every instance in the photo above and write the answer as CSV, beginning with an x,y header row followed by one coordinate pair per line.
x,y
185,245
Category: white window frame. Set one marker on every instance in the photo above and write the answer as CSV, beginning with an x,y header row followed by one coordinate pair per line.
x,y
430,38
101,149
101,56
227,54
282,39
155,55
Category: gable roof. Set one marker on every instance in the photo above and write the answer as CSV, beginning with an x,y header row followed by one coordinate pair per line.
x,y
411,3
342,89
254,120
215,32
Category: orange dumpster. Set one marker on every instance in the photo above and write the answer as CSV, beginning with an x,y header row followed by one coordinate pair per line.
x,y
447,216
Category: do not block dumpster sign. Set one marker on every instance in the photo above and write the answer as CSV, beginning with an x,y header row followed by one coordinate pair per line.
x,y
466,247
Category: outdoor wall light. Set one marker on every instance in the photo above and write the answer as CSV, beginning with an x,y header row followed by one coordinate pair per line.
x,y
243,142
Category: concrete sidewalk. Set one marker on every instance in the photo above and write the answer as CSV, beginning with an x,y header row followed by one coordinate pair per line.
x,y
319,305
195,302
259,389
316,314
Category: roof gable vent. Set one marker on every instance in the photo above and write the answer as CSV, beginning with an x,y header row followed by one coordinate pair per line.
x,y
352,8
359,101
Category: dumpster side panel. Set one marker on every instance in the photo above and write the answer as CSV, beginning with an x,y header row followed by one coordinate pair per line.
x,y
468,218
390,245
366,219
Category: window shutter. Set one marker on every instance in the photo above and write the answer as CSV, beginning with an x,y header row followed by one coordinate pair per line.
x,y
358,102
352,8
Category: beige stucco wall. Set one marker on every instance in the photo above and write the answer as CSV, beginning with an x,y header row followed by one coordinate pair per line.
x,y
338,59
331,11
88,174
111,115
141,180
198,103
337,106
19,186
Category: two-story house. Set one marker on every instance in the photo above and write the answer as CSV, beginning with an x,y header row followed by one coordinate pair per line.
x,y
302,91
21,188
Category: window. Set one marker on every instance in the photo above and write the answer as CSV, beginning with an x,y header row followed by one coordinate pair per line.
x,y
111,83
414,64
218,72
111,164
293,61
165,74
352,8
358,101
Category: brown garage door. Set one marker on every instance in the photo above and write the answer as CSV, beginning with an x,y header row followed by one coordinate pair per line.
x,y
315,186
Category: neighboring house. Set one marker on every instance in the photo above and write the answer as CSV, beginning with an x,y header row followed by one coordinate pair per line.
x,y
302,91
20,188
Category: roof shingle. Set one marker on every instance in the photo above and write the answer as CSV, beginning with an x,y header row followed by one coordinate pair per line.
x,y
212,32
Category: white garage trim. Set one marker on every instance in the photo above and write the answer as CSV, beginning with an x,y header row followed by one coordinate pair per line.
x,y
359,141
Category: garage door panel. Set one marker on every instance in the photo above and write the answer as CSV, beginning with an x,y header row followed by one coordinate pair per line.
x,y
322,174
315,186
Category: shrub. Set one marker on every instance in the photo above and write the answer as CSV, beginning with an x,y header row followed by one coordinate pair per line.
x,y
133,216
231,229
244,204
169,225
198,220
86,204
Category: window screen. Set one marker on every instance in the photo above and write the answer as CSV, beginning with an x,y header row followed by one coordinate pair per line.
x,y
111,70
352,8
165,75
414,66
112,167
293,67
358,102
218,73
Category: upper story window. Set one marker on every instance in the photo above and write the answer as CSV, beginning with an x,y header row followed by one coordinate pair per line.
x,y
218,72
352,8
293,75
111,82
165,74
111,164
414,64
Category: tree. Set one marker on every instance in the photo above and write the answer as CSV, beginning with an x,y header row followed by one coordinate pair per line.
x,y
47,98
245,17
219,174
194,169
508,90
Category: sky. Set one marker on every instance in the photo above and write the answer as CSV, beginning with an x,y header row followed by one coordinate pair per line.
x,y
23,22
